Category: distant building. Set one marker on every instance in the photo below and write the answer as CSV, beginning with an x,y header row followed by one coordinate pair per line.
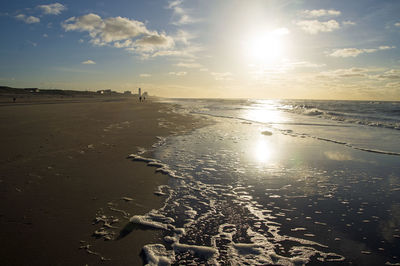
x,y
32,90
107,92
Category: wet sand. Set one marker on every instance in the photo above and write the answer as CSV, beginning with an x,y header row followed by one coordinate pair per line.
x,y
62,164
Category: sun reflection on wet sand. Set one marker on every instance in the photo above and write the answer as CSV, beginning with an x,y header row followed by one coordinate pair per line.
x,y
263,151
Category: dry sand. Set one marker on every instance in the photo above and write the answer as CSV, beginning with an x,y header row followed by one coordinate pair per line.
x,y
63,163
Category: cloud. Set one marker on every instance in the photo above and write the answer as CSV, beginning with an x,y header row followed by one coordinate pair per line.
x,y
372,74
32,43
89,62
315,26
186,52
397,24
346,73
189,65
28,20
144,75
321,13
349,22
182,73
389,75
222,75
184,37
153,42
120,32
181,15
353,52
52,9
393,85
303,64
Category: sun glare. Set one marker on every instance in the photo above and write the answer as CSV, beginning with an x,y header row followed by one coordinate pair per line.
x,y
263,151
266,47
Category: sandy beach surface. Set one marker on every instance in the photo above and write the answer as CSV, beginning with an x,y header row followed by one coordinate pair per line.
x,y
64,164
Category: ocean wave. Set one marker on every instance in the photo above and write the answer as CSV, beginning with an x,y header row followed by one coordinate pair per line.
x,y
382,119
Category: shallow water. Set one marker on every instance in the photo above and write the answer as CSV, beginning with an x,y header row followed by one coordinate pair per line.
x,y
287,189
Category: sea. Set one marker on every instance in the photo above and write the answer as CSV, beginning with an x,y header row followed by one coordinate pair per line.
x,y
278,182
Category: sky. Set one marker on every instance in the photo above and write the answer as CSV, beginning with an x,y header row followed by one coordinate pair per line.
x,y
299,49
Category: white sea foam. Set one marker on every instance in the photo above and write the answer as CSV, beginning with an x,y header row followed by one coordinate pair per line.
x,y
152,219
205,252
157,254
162,190
161,167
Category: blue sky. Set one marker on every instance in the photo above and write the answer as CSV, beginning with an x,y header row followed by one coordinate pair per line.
x,y
197,48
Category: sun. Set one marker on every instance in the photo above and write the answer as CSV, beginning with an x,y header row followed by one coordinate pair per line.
x,y
266,47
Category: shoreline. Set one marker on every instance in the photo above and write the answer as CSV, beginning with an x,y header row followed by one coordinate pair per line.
x,y
65,164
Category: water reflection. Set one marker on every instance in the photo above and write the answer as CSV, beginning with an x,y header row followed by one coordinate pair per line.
x,y
265,111
263,151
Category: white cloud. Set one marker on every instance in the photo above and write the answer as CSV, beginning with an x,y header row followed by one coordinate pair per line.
x,y
52,9
222,75
182,16
154,42
144,75
184,37
89,62
185,52
353,52
389,75
349,22
397,24
28,20
321,13
90,22
346,52
182,73
315,26
385,47
188,65
353,72
45,35
32,43
303,64
120,32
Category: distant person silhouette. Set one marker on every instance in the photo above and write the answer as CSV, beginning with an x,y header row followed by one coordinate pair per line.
x,y
14,99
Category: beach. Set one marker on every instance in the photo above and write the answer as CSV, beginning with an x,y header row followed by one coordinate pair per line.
x,y
115,181
64,163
